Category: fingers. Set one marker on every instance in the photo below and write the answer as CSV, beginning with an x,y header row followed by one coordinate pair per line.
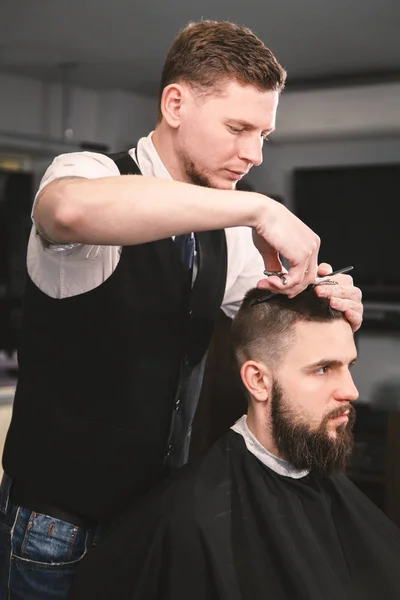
x,y
355,319
324,269
273,283
300,276
297,277
344,297
343,289
353,311
272,262
304,270
280,233
345,280
294,281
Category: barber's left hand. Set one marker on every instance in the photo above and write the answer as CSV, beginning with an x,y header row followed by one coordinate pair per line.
x,y
344,296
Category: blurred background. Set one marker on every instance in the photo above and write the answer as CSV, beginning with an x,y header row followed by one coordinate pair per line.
x,y
85,75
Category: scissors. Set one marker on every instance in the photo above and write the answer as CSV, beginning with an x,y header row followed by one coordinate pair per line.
x,y
282,275
325,280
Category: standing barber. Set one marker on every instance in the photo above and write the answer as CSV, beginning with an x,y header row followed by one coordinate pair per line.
x,y
119,308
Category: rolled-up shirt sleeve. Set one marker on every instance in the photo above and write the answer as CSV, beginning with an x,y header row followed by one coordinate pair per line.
x,y
88,165
64,270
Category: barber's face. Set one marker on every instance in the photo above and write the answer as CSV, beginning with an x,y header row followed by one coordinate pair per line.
x,y
220,137
311,411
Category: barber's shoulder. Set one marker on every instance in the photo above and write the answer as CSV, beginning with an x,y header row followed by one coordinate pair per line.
x,y
65,167
79,164
73,165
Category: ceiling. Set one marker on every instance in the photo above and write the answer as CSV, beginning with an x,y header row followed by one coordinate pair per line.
x,y
122,43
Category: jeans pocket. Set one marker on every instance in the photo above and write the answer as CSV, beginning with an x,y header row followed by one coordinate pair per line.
x,y
46,542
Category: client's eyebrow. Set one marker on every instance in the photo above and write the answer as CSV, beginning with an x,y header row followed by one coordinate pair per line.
x,y
328,362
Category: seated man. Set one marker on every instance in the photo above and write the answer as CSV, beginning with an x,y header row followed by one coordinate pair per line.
x,y
267,513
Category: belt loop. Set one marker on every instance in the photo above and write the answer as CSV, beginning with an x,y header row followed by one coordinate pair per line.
x,y
5,489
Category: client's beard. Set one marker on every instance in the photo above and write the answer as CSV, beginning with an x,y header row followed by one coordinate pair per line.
x,y
304,448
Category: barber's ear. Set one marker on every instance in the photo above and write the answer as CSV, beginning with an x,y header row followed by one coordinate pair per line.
x,y
257,379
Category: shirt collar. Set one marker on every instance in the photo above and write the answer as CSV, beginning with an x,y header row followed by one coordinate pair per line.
x,y
147,158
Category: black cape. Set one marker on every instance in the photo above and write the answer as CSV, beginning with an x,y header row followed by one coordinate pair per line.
x,y
229,528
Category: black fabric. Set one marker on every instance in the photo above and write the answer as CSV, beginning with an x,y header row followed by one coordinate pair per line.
x,y
109,379
18,499
229,528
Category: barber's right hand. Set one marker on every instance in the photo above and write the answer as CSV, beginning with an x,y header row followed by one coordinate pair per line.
x,y
279,232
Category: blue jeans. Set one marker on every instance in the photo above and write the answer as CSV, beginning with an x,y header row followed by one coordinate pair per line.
x,y
38,554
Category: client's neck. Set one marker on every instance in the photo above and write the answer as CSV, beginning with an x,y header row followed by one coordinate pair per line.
x,y
262,432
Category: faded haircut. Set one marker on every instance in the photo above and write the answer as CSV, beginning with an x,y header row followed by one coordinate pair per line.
x,y
264,331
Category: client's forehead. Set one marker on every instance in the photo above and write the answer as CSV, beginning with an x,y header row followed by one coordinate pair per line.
x,y
313,342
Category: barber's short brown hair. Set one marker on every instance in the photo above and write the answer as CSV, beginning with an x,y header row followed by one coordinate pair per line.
x,y
208,54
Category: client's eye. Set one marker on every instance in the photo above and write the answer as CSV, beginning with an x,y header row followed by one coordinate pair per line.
x,y
322,370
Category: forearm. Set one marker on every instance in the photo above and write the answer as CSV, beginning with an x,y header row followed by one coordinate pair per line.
x,y
133,209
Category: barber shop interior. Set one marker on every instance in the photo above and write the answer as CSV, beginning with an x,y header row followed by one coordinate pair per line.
x,y
199,300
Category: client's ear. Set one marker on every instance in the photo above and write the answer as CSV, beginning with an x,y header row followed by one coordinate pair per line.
x,y
257,379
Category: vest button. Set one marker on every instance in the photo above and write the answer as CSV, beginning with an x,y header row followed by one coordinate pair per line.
x,y
178,404
169,450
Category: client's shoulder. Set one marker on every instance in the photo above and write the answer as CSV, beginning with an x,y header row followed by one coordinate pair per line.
x,y
200,488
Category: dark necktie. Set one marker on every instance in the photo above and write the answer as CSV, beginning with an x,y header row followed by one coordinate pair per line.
x,y
185,247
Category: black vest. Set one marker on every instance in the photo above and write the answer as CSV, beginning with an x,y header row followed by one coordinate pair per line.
x,y
109,379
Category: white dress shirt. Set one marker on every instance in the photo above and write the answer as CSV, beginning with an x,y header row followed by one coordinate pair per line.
x,y
62,271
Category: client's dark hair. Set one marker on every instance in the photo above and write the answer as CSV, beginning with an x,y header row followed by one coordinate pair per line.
x,y
264,330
